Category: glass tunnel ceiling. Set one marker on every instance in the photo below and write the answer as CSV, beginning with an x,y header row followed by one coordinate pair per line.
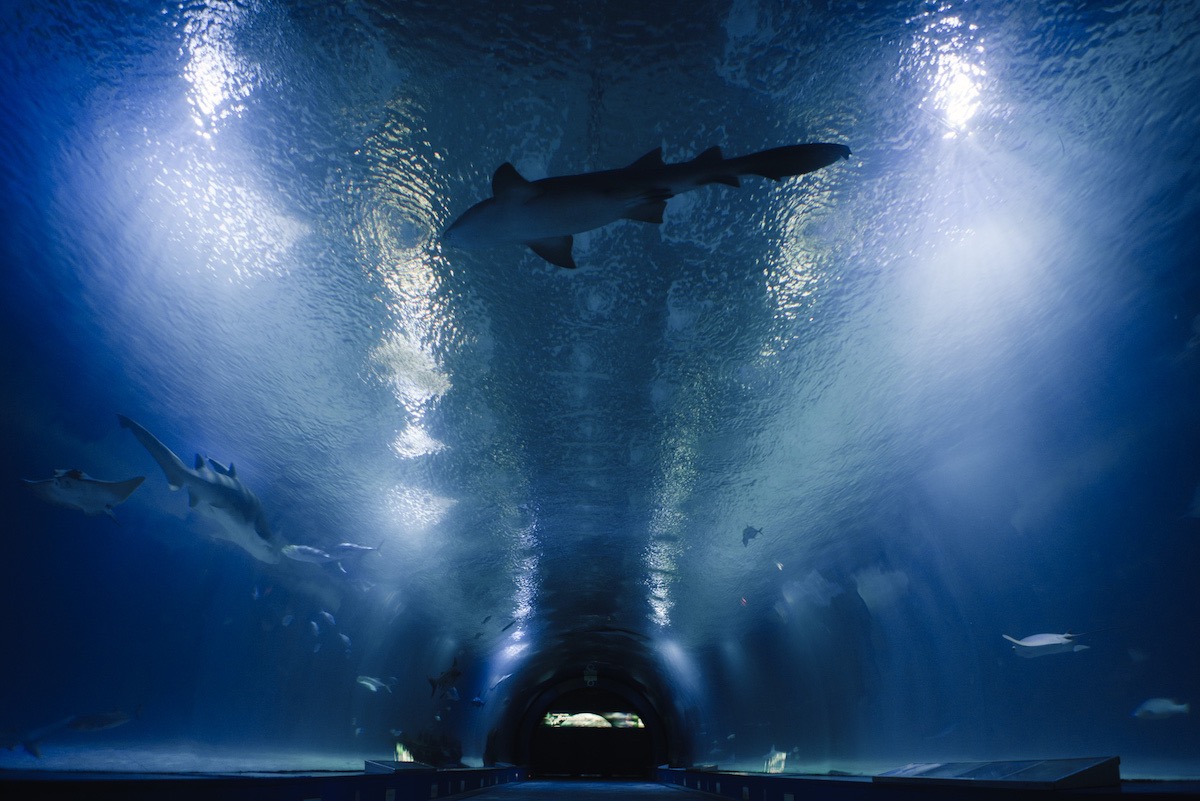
x,y
949,384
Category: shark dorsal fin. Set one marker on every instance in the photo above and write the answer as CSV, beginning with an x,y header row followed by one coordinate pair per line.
x,y
222,469
712,154
199,461
507,182
651,160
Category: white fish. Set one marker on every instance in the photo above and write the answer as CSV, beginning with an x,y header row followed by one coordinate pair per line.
x,y
1159,708
314,628
328,617
345,641
306,553
287,620
75,489
1045,644
344,550
373,684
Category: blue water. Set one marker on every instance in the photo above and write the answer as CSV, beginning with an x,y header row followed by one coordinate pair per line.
x,y
954,380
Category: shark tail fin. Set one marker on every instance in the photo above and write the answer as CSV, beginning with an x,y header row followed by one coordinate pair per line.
x,y
175,470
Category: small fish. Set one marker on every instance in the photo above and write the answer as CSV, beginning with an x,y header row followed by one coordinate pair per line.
x,y
499,681
75,489
345,641
1045,644
306,553
485,620
749,533
478,634
731,737
445,681
451,694
396,732
438,718
779,565
1160,708
316,648
358,731
373,684
314,628
511,623
328,617
477,701
287,620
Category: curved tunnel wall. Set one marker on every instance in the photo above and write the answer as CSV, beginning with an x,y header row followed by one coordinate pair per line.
x,y
600,685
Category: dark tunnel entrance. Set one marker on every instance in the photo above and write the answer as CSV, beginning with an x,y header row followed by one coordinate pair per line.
x,y
596,733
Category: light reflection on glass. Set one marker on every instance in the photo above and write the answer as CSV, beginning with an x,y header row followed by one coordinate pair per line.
x,y
666,527
207,217
411,371
220,80
954,50
526,577
415,441
418,509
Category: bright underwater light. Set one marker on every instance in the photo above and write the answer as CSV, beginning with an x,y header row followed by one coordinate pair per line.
x,y
952,49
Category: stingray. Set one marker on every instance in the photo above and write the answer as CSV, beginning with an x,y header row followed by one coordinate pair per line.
x,y
75,489
1045,644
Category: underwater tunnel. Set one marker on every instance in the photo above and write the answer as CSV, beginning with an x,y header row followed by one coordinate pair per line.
x,y
758,399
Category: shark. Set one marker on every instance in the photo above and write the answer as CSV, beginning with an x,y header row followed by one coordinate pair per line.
x,y
75,489
216,493
445,682
544,215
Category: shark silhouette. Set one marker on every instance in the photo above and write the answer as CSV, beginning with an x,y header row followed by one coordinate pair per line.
x,y
215,491
75,489
544,214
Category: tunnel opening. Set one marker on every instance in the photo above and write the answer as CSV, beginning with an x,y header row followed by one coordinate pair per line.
x,y
592,732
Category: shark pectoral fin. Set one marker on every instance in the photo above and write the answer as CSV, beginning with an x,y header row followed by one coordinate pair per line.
x,y
193,501
652,160
649,211
556,250
508,184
